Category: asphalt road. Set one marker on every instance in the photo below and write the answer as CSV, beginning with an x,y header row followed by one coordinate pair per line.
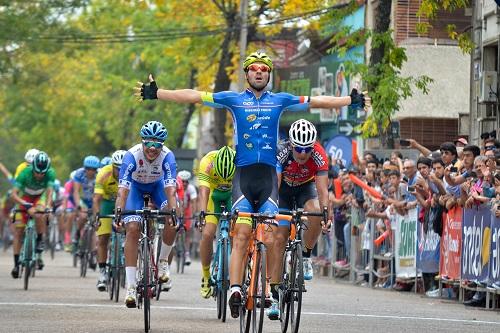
x,y
58,300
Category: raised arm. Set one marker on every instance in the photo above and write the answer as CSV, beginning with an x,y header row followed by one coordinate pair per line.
x,y
331,102
151,91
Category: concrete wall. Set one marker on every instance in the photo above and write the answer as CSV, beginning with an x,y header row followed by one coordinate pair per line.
x,y
449,93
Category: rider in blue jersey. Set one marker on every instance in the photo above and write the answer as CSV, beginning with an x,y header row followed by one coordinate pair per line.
x,y
148,168
256,113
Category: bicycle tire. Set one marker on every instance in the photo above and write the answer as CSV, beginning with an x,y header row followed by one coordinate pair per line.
x,y
225,277
112,268
284,293
146,277
158,287
260,278
215,280
297,283
28,256
52,240
118,267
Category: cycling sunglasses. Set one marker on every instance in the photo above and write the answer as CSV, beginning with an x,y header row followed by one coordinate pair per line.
x,y
301,150
150,144
256,67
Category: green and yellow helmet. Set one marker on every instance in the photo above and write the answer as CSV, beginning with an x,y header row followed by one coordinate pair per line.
x,y
257,57
224,163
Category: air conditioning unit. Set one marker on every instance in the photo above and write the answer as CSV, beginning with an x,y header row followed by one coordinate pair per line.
x,y
488,87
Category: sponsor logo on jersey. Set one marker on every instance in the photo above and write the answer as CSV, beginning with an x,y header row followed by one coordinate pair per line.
x,y
247,103
251,118
318,159
249,145
255,126
246,136
141,162
264,118
267,146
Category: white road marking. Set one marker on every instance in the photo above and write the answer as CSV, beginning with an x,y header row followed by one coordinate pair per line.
x,y
183,308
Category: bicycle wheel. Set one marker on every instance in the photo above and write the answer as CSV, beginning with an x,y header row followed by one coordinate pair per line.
x,y
52,239
224,274
28,256
112,268
85,252
117,269
158,242
284,293
180,253
297,284
146,278
259,275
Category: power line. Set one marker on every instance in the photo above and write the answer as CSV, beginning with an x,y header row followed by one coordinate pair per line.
x,y
168,34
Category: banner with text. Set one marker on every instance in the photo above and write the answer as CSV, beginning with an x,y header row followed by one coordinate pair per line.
x,y
406,245
451,244
495,250
476,244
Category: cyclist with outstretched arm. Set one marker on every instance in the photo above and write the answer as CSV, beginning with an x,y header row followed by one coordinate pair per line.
x,y
256,113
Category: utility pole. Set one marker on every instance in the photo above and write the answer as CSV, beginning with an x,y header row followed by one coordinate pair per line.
x,y
243,42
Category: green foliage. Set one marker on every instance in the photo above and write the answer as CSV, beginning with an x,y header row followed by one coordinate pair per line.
x,y
386,86
429,10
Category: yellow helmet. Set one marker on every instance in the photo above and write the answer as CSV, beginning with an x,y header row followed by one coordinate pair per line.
x,y
257,57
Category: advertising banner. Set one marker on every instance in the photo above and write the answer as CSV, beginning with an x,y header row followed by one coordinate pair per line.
x,y
476,246
495,250
451,244
406,245
428,248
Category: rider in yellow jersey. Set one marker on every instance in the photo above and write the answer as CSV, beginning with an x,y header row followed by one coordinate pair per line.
x,y
28,158
215,178
105,190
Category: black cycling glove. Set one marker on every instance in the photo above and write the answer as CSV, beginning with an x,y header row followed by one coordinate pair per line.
x,y
357,99
149,91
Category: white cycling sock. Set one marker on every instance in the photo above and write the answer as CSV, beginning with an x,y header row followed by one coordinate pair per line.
x,y
165,251
130,272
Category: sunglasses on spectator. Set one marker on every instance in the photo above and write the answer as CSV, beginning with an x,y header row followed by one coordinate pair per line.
x,y
489,147
302,150
256,67
150,144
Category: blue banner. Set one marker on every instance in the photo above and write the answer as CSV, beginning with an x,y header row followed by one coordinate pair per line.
x,y
495,250
340,148
476,244
429,248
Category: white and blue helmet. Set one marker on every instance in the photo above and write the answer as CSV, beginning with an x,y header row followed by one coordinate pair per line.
x,y
154,130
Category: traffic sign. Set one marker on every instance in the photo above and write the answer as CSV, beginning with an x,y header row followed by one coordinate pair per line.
x,y
347,127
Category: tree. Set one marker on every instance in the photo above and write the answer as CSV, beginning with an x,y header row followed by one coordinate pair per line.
x,y
382,76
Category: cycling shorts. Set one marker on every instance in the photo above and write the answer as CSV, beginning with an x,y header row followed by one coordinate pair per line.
x,y
215,200
255,190
22,218
107,207
136,201
300,194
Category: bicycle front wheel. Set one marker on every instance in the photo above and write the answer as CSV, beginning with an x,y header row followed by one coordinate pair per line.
x,y
259,276
28,259
297,284
224,274
146,278
284,292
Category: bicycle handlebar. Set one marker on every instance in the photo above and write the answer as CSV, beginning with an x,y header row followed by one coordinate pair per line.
x,y
263,216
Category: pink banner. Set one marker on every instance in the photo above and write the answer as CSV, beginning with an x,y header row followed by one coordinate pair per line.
x,y
451,244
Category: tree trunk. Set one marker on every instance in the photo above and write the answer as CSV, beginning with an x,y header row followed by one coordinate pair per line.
x,y
382,24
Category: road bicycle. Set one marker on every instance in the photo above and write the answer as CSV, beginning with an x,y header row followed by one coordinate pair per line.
x,y
219,271
255,287
116,261
292,282
28,256
86,252
147,272
180,246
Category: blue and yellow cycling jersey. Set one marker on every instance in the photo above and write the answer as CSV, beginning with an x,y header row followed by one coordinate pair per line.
x,y
256,121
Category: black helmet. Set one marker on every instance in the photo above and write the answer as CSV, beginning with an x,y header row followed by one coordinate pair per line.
x,y
41,162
